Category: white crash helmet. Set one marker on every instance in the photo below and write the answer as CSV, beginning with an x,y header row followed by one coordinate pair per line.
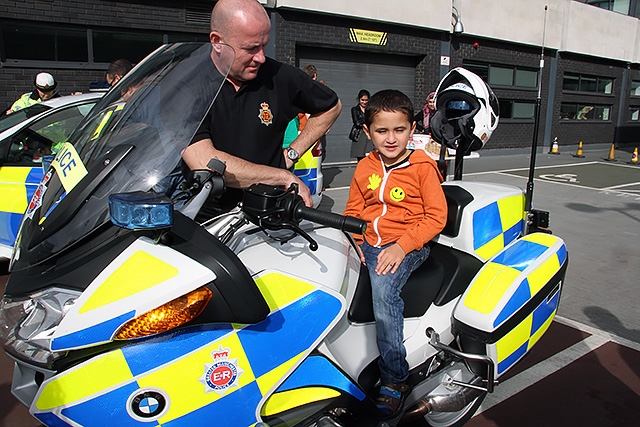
x,y
467,111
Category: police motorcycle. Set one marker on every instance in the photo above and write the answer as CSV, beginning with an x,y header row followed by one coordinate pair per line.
x,y
122,310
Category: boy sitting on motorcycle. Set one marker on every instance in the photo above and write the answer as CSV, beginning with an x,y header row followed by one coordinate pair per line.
x,y
397,192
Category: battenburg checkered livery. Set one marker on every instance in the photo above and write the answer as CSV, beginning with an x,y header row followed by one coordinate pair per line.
x,y
513,299
19,184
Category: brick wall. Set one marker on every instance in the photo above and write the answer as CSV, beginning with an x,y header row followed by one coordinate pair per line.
x,y
570,132
156,15
510,133
299,29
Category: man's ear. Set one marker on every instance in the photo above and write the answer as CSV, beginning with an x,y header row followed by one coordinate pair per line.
x,y
215,37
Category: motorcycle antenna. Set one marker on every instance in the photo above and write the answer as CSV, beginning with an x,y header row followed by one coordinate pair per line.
x,y
534,144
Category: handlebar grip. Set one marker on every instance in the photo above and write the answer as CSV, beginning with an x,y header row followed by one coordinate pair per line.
x,y
341,222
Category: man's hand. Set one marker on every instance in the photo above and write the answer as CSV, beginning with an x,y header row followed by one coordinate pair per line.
x,y
303,190
389,259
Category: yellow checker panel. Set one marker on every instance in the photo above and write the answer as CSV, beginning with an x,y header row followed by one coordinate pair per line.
x,y
14,194
290,399
138,273
491,248
514,339
489,287
541,330
511,211
279,291
268,380
183,378
101,374
543,274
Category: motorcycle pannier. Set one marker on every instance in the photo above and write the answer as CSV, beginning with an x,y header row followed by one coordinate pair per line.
x,y
512,300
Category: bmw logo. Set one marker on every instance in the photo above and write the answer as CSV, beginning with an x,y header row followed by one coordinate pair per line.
x,y
147,404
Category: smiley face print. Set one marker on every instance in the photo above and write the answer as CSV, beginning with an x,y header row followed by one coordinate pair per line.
x,y
397,194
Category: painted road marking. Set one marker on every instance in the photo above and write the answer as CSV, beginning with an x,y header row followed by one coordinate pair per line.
x,y
549,366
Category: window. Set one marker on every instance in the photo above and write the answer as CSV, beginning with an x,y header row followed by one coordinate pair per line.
x,y
621,6
29,42
635,88
634,113
108,45
510,109
570,111
591,84
504,75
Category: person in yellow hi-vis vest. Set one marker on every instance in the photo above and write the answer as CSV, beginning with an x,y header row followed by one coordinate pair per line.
x,y
45,89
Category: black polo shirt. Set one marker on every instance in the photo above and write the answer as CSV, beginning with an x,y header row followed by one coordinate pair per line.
x,y
251,122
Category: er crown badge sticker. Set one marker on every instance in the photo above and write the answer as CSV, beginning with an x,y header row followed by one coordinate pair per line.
x,y
222,374
265,115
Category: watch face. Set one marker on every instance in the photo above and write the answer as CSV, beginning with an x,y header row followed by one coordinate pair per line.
x,y
292,154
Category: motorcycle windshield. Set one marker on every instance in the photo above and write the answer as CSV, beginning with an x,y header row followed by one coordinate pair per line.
x,y
132,140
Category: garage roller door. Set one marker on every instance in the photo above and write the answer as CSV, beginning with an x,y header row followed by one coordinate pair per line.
x,y
346,72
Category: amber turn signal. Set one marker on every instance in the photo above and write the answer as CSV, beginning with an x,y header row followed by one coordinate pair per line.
x,y
166,317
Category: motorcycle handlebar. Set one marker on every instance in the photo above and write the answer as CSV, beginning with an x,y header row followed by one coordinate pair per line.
x,y
348,224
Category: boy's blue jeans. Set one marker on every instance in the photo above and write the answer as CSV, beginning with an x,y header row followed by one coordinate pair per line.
x,y
388,308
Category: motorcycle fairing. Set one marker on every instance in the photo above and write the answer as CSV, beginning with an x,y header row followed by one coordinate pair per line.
x,y
143,277
18,186
514,298
107,389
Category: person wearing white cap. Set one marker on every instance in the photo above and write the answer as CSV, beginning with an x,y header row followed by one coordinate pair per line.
x,y
45,89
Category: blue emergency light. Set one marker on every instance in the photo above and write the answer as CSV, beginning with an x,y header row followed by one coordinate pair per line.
x,y
141,210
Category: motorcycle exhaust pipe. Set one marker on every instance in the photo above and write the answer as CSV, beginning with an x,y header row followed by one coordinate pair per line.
x,y
442,403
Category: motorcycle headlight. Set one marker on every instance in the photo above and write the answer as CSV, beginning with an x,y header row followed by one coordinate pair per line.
x,y
27,324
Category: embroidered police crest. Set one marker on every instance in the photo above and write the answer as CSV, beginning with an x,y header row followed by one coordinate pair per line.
x,y
222,374
265,115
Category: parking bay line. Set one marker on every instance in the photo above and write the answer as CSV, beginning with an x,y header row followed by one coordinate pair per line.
x,y
554,363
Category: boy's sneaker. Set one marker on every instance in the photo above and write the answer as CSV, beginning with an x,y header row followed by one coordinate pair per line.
x,y
390,400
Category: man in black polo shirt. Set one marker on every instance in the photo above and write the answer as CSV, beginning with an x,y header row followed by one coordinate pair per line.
x,y
246,124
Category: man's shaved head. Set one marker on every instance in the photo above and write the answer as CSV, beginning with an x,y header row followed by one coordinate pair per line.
x,y
228,13
245,26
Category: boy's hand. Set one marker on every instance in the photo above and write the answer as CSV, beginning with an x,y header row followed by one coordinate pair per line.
x,y
389,259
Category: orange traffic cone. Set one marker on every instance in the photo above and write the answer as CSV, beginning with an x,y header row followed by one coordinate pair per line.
x,y
554,147
579,151
611,157
634,157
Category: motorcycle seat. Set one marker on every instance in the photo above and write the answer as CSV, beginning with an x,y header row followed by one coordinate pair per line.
x,y
442,277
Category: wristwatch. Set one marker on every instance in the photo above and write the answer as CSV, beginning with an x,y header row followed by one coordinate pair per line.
x,y
293,155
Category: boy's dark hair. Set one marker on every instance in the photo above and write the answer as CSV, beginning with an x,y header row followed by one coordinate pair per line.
x,y
388,100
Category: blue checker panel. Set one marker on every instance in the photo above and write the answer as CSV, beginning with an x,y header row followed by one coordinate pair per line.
x,y
9,225
91,335
289,331
518,299
317,370
85,413
513,358
542,313
146,355
520,255
237,409
513,233
51,420
486,225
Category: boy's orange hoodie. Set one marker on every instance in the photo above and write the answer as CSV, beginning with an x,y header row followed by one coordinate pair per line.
x,y
404,204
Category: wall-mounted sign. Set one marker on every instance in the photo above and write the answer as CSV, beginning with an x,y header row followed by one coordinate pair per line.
x,y
444,60
367,37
